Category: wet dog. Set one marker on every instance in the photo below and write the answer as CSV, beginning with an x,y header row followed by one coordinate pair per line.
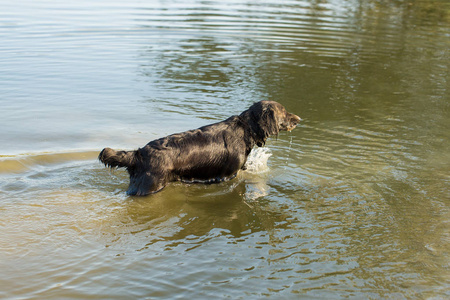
x,y
209,154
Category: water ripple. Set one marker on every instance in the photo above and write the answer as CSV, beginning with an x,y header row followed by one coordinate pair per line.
x,y
350,204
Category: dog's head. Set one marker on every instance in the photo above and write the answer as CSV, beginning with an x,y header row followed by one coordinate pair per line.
x,y
269,118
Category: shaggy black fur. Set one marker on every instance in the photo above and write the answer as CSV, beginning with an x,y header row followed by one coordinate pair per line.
x,y
212,153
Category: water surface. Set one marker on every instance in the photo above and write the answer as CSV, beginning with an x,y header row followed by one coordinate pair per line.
x,y
354,203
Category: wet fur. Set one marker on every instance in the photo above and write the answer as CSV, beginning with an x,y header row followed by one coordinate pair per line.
x,y
209,154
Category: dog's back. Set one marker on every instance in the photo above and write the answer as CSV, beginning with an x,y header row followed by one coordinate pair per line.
x,y
206,154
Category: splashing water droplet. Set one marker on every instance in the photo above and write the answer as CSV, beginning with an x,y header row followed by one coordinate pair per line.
x,y
257,160
289,151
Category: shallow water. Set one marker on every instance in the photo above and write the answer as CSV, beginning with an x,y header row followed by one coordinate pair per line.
x,y
354,203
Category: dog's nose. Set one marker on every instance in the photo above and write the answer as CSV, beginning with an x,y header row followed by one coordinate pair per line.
x,y
296,118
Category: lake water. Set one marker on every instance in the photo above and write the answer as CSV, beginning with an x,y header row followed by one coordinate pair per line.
x,y
354,203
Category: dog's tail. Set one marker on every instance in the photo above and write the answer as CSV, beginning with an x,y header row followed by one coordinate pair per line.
x,y
117,159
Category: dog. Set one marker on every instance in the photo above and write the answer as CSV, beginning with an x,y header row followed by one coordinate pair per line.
x,y
209,154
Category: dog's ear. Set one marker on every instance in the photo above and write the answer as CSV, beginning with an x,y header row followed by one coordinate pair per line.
x,y
265,116
268,120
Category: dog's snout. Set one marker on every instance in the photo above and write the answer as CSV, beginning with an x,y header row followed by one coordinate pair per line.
x,y
296,119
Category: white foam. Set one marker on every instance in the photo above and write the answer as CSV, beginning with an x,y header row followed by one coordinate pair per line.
x,y
257,160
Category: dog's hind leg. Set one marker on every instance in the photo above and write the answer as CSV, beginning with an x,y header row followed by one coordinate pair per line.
x,y
145,183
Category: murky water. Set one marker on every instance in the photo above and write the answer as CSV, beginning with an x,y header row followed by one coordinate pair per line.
x,y
354,203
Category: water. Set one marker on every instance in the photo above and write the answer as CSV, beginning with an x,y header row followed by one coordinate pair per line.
x,y
354,203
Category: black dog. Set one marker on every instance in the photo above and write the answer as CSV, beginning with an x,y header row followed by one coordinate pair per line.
x,y
212,153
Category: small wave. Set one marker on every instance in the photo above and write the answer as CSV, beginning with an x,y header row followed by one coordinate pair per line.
x,y
24,162
257,160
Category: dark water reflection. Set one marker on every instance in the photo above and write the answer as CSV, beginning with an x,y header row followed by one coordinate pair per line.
x,y
353,204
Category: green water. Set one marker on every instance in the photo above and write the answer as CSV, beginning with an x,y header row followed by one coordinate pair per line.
x,y
354,203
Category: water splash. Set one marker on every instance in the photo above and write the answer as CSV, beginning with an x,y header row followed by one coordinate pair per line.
x,y
289,150
257,160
